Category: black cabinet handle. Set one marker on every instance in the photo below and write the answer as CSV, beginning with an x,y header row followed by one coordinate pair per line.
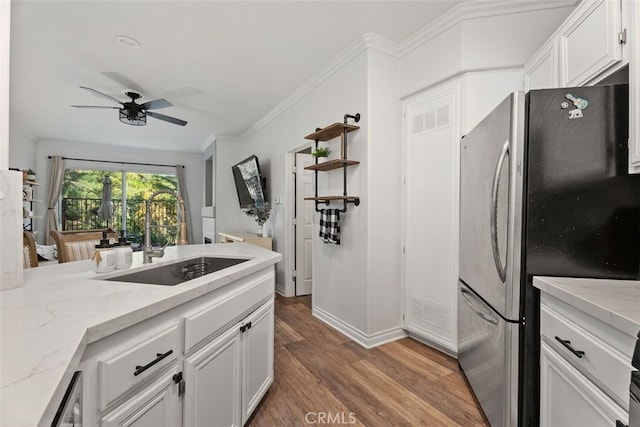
x,y
140,369
567,345
620,424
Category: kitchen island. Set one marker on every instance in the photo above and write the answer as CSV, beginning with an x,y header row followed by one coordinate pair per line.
x,y
48,324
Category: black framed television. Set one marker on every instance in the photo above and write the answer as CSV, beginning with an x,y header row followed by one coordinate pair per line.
x,y
250,184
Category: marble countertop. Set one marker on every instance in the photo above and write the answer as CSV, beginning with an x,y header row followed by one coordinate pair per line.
x,y
616,302
46,324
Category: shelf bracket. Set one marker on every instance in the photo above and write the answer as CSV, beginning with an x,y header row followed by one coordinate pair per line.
x,y
343,155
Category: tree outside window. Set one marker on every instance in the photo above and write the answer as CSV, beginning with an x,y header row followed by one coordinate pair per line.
x,y
82,195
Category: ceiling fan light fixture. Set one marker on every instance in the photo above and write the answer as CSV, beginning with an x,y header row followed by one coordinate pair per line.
x,y
137,118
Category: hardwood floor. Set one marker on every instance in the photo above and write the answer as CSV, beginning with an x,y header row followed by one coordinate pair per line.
x,y
323,378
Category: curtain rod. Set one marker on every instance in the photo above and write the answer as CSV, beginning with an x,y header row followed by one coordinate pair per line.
x,y
119,163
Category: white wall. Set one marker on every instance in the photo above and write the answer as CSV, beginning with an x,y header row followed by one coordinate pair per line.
x,y
339,272
5,37
507,40
10,182
504,41
22,151
357,285
384,183
192,162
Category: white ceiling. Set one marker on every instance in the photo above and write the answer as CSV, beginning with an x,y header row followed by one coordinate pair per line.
x,y
223,64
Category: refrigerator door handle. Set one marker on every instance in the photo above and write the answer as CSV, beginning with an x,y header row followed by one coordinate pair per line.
x,y
494,213
486,316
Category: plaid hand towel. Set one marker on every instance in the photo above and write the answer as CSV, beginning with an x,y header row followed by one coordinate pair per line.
x,y
330,226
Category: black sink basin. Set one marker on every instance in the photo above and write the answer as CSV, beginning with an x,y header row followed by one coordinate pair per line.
x,y
178,272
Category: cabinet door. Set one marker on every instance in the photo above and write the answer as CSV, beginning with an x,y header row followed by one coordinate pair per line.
x,y
541,71
155,406
568,398
212,383
589,41
257,358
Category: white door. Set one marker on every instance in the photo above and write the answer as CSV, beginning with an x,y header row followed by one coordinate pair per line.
x,y
304,223
431,215
155,406
212,383
257,358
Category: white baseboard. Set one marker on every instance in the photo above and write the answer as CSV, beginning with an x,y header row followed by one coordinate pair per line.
x,y
280,289
365,340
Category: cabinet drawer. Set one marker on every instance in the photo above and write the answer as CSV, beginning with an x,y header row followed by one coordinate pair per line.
x,y
568,398
135,362
234,305
600,362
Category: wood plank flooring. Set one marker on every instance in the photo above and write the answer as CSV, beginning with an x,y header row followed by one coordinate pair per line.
x,y
323,378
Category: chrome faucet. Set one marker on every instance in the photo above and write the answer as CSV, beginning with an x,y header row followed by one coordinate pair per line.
x,y
147,250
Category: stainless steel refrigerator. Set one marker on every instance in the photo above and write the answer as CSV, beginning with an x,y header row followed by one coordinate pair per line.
x,y
544,191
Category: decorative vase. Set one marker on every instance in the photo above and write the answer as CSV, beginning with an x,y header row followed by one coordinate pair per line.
x,y
260,227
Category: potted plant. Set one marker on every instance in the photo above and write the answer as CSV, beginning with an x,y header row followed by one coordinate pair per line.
x,y
260,212
321,152
31,175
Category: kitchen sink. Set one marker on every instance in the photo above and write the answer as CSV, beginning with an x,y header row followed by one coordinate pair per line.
x,y
178,272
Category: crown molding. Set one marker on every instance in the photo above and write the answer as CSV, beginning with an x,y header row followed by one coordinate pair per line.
x,y
381,44
353,50
207,142
462,12
474,10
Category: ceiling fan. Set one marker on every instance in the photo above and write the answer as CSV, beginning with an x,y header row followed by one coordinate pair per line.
x,y
135,114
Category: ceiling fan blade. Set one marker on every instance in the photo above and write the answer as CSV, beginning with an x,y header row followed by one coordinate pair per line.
x,y
95,106
166,118
101,94
155,104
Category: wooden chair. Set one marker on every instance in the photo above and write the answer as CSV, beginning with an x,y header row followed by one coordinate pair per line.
x,y
77,245
30,255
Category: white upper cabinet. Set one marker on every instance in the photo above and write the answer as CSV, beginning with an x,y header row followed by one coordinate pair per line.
x,y
589,41
541,71
597,39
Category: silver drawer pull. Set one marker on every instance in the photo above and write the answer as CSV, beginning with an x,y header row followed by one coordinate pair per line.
x,y
567,345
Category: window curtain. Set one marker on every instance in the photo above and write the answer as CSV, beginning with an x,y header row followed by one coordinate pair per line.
x,y
182,191
56,180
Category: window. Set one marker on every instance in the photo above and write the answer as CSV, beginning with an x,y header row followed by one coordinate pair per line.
x,y
82,196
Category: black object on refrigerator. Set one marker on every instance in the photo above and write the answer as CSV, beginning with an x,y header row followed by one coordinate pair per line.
x,y
544,192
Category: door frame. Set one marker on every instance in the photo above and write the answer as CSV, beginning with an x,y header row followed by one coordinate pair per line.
x,y
289,212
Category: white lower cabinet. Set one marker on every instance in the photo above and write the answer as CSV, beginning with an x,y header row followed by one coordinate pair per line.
x,y
156,405
212,387
227,378
585,367
257,358
206,363
568,398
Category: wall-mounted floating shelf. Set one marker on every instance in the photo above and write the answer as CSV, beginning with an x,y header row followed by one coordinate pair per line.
x,y
326,134
331,164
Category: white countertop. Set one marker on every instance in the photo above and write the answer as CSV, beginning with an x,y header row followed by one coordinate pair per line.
x,y
46,324
616,302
